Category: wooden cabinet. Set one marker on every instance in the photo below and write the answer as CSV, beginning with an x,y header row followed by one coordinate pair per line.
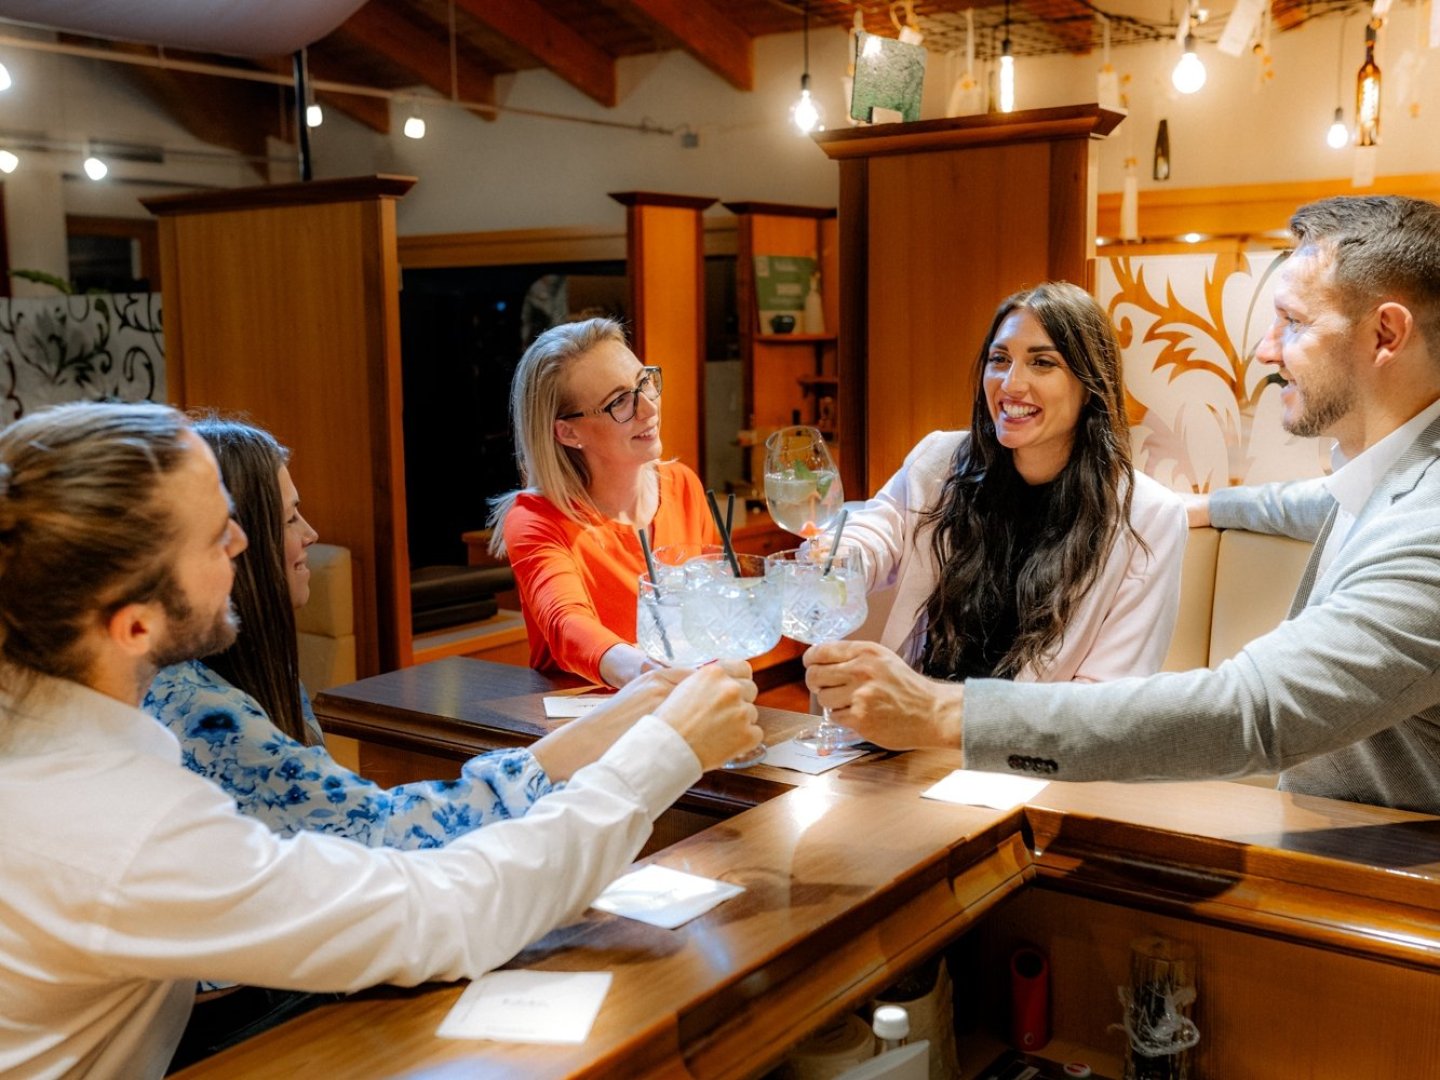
x,y
283,302
786,375
939,221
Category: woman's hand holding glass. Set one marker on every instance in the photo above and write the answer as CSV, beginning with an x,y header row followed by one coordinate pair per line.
x,y
822,598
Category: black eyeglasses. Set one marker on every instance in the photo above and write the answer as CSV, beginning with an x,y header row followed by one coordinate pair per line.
x,y
622,409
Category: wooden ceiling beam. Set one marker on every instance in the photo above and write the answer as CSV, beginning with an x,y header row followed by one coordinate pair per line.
x,y
589,69
1069,21
707,34
231,114
384,30
373,112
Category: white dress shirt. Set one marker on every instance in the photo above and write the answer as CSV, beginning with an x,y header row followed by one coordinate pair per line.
x,y
1353,482
125,878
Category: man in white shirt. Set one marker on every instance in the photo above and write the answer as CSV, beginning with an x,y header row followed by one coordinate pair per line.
x,y
1343,698
124,877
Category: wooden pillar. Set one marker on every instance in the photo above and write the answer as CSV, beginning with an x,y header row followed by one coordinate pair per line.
x,y
283,302
666,256
939,221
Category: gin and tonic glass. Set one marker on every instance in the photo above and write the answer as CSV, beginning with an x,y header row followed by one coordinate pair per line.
x,y
820,600
802,485
707,613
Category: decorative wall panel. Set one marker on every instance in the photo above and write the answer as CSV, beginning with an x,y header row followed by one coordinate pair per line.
x,y
1203,412
79,348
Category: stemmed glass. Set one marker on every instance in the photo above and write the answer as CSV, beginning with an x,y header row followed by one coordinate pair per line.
x,y
703,612
821,599
802,485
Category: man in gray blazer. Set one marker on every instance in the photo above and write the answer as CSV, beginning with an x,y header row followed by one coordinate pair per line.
x,y
1343,698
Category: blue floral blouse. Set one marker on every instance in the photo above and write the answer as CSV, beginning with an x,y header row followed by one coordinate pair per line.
x,y
226,737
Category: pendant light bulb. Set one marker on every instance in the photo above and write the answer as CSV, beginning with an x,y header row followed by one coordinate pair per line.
x,y
415,127
5,81
805,114
314,116
1189,73
1007,79
1338,137
95,168
8,161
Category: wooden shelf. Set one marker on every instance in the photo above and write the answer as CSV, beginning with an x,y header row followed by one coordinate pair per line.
x,y
794,339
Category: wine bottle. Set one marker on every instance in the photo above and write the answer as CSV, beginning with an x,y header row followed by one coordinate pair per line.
x,y
1367,94
1162,151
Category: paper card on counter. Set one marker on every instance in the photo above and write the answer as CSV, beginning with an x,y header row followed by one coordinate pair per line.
x,y
528,1007
663,897
792,755
996,790
566,706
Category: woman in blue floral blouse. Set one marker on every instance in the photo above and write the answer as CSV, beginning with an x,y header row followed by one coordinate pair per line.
x,y
245,722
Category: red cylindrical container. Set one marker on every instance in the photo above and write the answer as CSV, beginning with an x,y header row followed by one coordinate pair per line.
x,y
1029,999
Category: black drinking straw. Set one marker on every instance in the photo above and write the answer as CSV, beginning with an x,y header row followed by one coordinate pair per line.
x,y
729,511
724,532
835,544
655,584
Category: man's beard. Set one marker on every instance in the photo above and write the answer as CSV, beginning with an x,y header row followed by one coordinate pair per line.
x,y
1319,413
190,635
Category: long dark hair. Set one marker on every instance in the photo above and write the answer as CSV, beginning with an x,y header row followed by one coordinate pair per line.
x,y
975,520
264,661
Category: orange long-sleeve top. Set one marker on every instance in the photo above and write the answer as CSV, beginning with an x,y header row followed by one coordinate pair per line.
x,y
578,583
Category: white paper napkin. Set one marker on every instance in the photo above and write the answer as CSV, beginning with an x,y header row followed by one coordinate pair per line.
x,y
528,1007
997,790
571,705
663,897
792,755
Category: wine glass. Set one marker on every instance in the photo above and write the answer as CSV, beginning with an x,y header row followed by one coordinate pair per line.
x,y
802,485
706,613
820,600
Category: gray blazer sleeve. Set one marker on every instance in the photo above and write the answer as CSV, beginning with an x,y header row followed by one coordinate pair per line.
x,y
1358,662
1296,509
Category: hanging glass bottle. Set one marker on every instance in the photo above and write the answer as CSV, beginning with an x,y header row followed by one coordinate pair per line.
x,y
1162,151
1367,93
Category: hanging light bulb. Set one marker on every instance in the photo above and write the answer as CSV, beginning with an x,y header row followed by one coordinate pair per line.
x,y
8,162
1338,135
1007,68
314,115
5,82
415,126
805,113
95,168
1189,73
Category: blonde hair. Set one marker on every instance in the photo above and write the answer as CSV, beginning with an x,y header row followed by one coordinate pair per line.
x,y
546,466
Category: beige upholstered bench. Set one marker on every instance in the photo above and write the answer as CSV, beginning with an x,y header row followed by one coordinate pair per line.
x,y
325,627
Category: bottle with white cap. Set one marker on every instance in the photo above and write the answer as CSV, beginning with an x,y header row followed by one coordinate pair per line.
x,y
892,1027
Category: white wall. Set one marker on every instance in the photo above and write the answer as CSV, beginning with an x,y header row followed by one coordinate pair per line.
x,y
525,172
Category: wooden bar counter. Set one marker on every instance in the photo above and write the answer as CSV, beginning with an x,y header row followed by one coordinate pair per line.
x,y
1316,923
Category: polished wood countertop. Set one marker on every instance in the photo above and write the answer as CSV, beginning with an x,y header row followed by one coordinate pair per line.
x,y
851,878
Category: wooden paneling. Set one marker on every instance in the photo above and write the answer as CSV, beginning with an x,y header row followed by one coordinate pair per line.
x,y
285,306
1264,1007
948,217
666,250
1243,210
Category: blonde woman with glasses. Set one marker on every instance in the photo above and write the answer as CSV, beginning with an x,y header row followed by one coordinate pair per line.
x,y
586,417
